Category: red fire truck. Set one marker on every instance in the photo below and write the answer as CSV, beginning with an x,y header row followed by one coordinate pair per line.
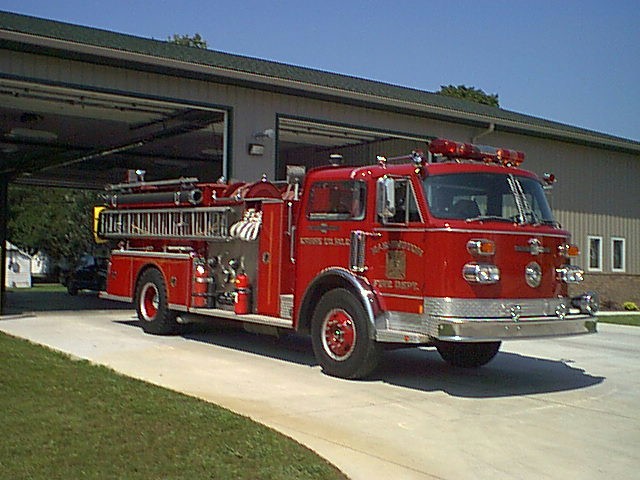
x,y
455,249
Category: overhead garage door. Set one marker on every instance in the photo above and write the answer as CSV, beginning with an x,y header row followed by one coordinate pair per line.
x,y
310,143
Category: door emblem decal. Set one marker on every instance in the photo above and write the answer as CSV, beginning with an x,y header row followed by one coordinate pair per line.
x,y
396,264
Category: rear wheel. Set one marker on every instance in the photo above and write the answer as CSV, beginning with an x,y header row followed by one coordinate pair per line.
x,y
341,336
467,354
152,305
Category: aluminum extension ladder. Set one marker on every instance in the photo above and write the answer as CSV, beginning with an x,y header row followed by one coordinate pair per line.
x,y
202,223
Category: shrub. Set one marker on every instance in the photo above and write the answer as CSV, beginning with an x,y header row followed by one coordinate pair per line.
x,y
630,306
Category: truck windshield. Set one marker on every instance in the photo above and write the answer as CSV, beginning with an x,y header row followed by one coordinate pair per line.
x,y
487,196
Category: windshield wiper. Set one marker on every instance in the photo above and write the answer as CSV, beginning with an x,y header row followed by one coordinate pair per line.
x,y
480,218
550,222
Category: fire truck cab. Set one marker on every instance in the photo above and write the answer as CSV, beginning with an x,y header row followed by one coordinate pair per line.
x,y
456,249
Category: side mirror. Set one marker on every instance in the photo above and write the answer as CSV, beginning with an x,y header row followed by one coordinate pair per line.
x,y
386,197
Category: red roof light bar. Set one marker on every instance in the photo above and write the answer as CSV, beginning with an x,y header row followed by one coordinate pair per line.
x,y
450,149
468,151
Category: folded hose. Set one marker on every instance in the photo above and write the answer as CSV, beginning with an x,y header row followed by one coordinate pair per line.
x,y
248,228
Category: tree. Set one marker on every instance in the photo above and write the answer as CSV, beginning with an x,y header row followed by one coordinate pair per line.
x,y
185,40
471,94
53,220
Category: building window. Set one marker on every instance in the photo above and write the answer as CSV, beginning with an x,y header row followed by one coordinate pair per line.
x,y
595,254
618,259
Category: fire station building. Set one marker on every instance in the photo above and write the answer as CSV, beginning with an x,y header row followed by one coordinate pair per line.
x,y
79,107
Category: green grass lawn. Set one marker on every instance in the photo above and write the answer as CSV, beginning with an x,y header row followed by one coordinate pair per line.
x,y
41,287
62,419
621,319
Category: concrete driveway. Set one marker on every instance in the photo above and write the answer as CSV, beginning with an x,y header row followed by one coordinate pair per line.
x,y
553,409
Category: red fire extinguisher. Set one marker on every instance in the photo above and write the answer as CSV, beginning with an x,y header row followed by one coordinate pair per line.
x,y
200,284
243,294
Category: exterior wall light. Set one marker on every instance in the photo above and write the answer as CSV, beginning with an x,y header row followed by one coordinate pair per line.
x,y
256,149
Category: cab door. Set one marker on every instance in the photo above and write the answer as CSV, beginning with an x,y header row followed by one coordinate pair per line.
x,y
396,254
334,209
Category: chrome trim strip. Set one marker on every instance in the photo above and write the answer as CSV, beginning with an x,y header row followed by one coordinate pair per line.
x,y
397,295
401,322
177,307
495,232
117,298
396,336
144,253
177,210
387,229
463,230
250,317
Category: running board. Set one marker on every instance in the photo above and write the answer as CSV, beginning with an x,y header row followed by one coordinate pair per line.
x,y
249,317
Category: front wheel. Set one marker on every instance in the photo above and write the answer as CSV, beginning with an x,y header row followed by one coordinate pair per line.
x,y
467,354
152,305
341,335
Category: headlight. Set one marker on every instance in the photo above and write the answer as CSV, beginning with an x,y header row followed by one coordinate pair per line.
x,y
533,274
570,274
482,273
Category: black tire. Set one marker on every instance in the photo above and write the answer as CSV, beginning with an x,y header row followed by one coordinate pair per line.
x,y
341,336
72,288
152,305
468,355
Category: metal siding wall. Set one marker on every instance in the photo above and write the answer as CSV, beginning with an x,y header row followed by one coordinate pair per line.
x,y
583,225
583,173
333,112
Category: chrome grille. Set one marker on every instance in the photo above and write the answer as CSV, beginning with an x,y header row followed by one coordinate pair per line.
x,y
492,308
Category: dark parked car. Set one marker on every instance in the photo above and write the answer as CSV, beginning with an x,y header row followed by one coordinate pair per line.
x,y
90,274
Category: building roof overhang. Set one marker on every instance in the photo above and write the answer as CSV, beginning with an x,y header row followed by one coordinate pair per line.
x,y
35,35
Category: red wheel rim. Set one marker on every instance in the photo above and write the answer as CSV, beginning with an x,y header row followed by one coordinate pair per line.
x,y
338,334
149,301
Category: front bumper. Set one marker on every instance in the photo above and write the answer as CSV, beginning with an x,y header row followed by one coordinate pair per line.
x,y
474,330
484,320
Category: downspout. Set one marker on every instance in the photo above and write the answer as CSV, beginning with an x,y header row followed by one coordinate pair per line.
x,y
491,129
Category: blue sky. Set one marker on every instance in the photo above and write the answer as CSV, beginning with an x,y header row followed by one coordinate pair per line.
x,y
576,62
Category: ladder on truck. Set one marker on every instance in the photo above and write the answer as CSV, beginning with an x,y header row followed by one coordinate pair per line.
x,y
204,223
